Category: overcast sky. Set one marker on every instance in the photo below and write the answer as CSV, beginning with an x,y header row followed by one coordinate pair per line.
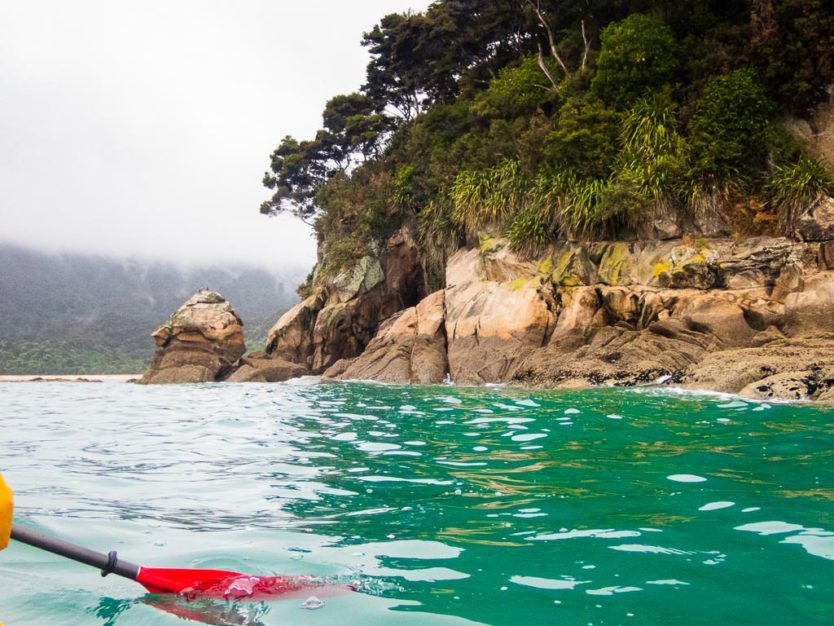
x,y
143,128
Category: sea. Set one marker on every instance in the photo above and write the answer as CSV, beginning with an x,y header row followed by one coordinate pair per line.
x,y
425,505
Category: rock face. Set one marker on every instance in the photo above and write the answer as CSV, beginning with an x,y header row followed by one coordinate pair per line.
x,y
340,320
201,342
410,347
754,316
492,324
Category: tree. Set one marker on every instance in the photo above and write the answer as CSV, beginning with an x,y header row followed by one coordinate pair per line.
x,y
297,172
728,129
638,55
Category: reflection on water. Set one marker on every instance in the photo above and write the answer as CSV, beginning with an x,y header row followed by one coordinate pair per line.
x,y
441,505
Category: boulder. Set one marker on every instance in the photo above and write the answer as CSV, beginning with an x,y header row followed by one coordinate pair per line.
x,y
816,223
811,311
410,347
782,368
291,338
616,267
361,278
718,314
614,355
200,342
491,325
572,267
754,263
265,370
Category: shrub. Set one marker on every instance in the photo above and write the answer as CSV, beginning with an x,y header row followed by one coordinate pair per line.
x,y
637,55
653,160
795,186
585,138
488,197
729,127
530,231
516,91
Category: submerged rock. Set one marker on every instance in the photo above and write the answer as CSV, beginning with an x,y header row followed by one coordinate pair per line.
x,y
200,342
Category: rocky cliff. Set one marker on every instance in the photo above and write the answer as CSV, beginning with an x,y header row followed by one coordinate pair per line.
x,y
753,316
750,316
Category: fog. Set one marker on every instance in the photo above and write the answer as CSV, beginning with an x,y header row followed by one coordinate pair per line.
x,y
144,129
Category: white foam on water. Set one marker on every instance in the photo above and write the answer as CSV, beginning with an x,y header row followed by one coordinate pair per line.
x,y
527,402
595,533
610,591
670,581
645,549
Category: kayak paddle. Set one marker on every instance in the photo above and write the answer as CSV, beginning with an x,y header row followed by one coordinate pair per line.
x,y
189,582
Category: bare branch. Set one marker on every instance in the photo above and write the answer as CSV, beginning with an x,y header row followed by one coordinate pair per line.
x,y
545,69
587,43
550,38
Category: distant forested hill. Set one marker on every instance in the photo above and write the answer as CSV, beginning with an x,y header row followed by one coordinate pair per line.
x,y
77,314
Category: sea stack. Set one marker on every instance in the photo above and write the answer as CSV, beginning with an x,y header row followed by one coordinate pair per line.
x,y
201,342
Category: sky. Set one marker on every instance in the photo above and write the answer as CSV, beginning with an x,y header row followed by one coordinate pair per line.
x,y
143,129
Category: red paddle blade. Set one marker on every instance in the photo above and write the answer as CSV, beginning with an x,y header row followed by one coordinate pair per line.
x,y
173,580
212,583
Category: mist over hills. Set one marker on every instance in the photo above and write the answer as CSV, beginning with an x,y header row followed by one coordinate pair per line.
x,y
82,314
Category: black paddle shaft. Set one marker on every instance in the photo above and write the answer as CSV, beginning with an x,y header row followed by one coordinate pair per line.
x,y
105,562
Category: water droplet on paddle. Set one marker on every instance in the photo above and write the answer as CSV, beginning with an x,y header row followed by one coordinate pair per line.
x,y
312,603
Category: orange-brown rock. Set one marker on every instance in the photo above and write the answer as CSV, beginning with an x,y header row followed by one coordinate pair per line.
x,y
490,325
200,342
410,347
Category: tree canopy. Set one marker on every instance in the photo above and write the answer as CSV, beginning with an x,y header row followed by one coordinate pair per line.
x,y
574,117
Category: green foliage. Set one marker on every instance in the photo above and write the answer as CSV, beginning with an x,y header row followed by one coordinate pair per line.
x,y
728,130
585,211
488,197
653,160
585,139
530,231
402,187
792,44
517,90
638,55
795,186
661,106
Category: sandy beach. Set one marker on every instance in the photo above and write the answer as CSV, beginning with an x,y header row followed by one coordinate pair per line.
x,y
69,378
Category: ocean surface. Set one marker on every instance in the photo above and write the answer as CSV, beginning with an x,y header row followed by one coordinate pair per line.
x,y
441,505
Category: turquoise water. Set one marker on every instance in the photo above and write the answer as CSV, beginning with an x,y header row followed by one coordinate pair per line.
x,y
444,505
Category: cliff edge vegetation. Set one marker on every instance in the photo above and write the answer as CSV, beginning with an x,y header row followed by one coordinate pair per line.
x,y
572,193
550,120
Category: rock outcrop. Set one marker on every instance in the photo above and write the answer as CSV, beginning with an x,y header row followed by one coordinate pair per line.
x,y
754,316
200,342
410,347
496,314
344,314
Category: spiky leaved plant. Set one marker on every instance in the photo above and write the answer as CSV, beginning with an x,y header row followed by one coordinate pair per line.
x,y
796,186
